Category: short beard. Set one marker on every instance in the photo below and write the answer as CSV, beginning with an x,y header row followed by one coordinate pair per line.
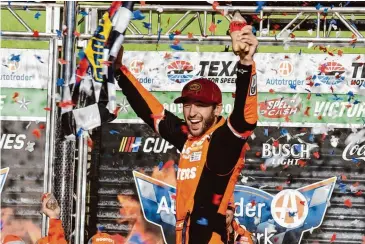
x,y
207,124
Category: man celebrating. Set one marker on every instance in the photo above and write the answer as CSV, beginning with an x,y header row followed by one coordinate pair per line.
x,y
212,148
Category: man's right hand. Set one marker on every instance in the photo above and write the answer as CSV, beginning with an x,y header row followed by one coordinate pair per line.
x,y
118,61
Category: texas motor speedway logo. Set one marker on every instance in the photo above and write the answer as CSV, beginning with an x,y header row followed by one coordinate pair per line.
x,y
279,219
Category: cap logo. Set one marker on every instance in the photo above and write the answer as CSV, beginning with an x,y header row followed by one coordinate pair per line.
x,y
195,87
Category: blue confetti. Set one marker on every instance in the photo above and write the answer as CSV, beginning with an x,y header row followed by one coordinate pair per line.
x,y
283,132
317,84
292,214
202,221
171,36
318,6
300,52
135,239
346,4
259,4
332,6
39,58
356,102
266,132
176,167
113,132
311,138
350,93
81,54
160,165
9,3
159,35
355,160
177,47
332,152
298,148
336,98
342,187
59,33
25,8
325,10
253,30
308,90
137,15
293,86
37,15
318,95
79,133
15,58
333,22
219,21
60,81
146,25
83,13
1,225
353,25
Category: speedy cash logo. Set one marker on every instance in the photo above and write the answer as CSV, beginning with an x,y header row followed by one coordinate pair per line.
x,y
279,108
358,75
280,218
180,71
331,73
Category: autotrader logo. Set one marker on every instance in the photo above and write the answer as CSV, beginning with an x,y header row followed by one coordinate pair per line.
x,y
136,67
285,68
331,73
179,71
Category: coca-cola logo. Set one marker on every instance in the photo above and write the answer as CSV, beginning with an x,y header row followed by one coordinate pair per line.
x,y
354,152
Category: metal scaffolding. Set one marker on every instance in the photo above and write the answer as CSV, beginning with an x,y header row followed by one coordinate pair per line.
x,y
63,156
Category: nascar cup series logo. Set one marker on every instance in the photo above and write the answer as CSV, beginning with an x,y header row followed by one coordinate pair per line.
x,y
180,71
331,73
279,219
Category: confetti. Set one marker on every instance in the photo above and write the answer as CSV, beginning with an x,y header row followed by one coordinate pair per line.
x,y
90,142
160,165
83,13
168,164
266,132
184,129
176,41
202,221
137,15
215,5
167,56
35,33
302,163
77,34
219,21
348,203
171,36
190,35
30,146
81,54
260,4
39,58
36,133
15,96
62,61
293,86
262,167
113,132
42,126
212,27
318,6
60,82
316,155
59,33
37,15
146,25
279,188
306,112
177,47
217,199
275,143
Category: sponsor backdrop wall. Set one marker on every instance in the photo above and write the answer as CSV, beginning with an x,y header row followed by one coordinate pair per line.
x,y
310,139
23,97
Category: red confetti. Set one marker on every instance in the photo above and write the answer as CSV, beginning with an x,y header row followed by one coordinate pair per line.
x,y
331,88
258,154
292,35
275,143
302,202
36,133
177,32
184,129
357,58
107,63
15,95
287,119
215,5
311,83
217,199
190,35
253,203
173,196
65,104
47,109
285,14
279,188
62,61
339,52
319,117
167,56
331,53
343,177
316,155
276,26
348,106
309,95
143,3
302,163
348,203
90,142
306,112
286,56
358,193
212,27
168,164
262,167
42,126
272,91
176,41
233,95
333,238
256,18
35,33
77,34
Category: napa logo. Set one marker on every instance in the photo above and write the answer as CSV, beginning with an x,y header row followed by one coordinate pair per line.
x,y
280,218
180,71
331,73
12,62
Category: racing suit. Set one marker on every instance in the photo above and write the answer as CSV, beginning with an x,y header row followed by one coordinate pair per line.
x,y
56,234
210,164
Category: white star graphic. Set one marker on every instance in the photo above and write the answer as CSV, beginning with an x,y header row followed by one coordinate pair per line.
x,y
124,106
30,146
23,103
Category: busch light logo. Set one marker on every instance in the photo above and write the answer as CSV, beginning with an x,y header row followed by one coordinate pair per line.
x,y
272,219
179,71
355,149
331,73
280,153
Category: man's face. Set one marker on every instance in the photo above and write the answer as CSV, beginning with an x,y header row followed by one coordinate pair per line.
x,y
229,216
199,117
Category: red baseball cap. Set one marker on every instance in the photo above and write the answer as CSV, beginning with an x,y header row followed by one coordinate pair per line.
x,y
200,90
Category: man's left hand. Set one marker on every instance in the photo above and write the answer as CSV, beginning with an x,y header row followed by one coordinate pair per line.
x,y
246,35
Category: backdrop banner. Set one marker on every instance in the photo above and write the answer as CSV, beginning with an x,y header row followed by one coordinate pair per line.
x,y
320,173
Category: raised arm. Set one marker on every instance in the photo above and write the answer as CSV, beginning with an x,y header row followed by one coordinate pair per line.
x,y
148,108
